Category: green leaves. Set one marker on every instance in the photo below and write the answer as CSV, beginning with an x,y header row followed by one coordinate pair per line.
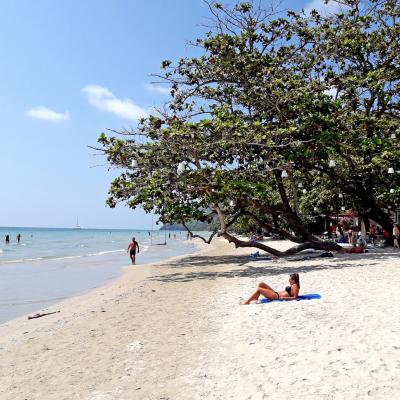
x,y
267,95
243,7
102,138
165,64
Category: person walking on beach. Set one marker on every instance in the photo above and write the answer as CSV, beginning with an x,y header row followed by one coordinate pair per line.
x,y
290,293
7,239
350,236
18,238
132,250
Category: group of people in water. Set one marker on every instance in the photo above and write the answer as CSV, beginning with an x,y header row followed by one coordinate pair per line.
x,y
7,238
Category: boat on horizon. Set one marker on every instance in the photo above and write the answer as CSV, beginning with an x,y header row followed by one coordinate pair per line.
x,y
77,226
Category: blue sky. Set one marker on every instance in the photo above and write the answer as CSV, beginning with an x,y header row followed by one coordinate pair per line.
x,y
68,70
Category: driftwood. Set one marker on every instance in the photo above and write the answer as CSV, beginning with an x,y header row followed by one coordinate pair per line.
x,y
42,315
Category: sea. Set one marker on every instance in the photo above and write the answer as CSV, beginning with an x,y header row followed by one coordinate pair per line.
x,y
52,264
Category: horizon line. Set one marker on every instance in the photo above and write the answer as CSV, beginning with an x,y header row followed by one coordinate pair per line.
x,y
74,228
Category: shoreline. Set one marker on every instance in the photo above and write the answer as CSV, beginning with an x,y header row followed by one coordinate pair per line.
x,y
27,287
174,330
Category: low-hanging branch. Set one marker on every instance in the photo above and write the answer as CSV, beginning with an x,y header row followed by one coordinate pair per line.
x,y
208,241
319,245
315,244
195,235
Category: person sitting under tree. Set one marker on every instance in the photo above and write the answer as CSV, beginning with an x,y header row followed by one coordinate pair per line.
x,y
359,247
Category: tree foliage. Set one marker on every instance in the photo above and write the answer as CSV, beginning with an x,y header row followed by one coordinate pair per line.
x,y
255,124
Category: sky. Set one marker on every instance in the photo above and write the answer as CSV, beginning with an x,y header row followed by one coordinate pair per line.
x,y
69,69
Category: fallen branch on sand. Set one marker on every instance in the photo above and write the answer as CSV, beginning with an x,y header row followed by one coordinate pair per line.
x,y
43,315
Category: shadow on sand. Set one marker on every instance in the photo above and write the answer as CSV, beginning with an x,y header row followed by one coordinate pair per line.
x,y
247,268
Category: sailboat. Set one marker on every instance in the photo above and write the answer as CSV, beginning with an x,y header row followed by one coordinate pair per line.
x,y
77,226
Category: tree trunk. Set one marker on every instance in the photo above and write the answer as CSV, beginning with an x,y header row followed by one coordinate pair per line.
x,y
375,212
292,218
298,227
316,244
365,219
384,220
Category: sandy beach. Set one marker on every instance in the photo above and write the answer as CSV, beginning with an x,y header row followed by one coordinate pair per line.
x,y
175,330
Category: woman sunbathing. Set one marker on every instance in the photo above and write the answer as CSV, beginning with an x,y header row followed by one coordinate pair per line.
x,y
290,293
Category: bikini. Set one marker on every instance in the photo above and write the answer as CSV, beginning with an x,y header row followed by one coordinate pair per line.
x,y
288,290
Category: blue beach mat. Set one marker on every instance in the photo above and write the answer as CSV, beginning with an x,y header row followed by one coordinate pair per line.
x,y
303,297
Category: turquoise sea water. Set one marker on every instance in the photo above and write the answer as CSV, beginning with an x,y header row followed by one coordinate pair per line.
x,y
49,265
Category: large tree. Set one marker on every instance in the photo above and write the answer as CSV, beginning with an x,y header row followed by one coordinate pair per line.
x,y
360,63
264,125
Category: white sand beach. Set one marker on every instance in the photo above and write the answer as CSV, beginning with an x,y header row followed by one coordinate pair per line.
x,y
175,331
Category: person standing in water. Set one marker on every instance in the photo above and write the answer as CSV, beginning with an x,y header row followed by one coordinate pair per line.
x,y
7,239
132,250
18,238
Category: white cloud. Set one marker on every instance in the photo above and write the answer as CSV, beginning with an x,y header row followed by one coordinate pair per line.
x,y
103,99
158,89
323,9
47,114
